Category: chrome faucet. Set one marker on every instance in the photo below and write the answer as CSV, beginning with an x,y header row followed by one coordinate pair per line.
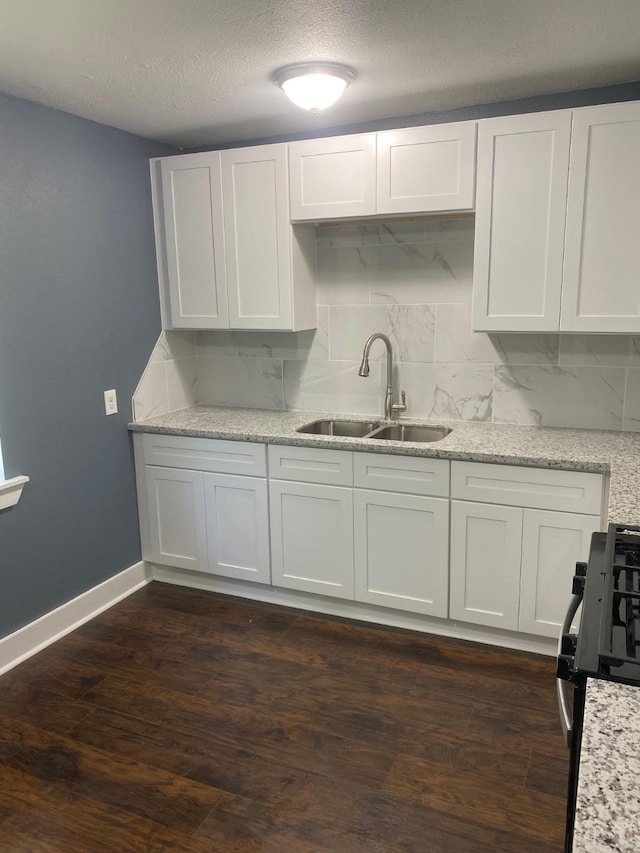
x,y
390,408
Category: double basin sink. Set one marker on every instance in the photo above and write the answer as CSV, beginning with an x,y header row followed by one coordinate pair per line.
x,y
375,430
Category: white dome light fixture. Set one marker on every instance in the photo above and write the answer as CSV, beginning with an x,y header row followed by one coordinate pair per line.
x,y
314,86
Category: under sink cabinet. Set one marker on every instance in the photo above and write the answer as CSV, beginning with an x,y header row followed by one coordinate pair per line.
x,y
361,526
452,543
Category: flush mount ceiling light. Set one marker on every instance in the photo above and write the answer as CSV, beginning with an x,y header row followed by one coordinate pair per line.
x,y
314,86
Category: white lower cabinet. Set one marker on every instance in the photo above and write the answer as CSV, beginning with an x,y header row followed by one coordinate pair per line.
x,y
401,551
485,564
177,535
376,528
215,519
312,537
237,519
511,568
552,542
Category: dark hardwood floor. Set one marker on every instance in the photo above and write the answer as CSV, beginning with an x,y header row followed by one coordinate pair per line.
x,y
186,721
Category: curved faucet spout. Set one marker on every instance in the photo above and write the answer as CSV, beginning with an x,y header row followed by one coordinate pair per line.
x,y
390,408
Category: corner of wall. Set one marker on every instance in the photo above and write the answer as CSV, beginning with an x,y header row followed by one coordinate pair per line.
x,y
169,380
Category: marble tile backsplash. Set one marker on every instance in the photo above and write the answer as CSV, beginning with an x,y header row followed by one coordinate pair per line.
x,y
170,379
411,280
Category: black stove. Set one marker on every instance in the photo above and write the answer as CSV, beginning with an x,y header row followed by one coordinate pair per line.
x,y
607,645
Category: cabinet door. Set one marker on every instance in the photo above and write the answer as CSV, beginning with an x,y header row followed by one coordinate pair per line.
x,y
601,287
237,511
423,169
312,537
521,196
193,232
485,564
177,531
257,237
333,177
402,551
552,542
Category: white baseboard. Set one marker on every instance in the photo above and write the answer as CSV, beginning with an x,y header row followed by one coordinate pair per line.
x,y
35,636
355,610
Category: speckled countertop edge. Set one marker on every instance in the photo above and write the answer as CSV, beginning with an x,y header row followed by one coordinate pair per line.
x,y
608,804
614,453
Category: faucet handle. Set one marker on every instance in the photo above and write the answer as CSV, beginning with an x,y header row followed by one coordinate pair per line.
x,y
401,407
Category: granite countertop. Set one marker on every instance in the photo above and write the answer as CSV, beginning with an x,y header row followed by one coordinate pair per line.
x,y
608,804
608,452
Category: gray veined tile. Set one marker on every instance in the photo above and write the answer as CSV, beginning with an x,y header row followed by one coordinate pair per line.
x,y
314,343
151,396
410,328
449,230
246,344
455,341
463,392
251,382
418,381
632,401
588,397
331,386
612,350
343,276
182,381
525,349
415,273
173,344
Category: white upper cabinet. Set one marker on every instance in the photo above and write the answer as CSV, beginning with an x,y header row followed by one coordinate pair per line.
x,y
521,193
333,177
426,169
228,256
193,236
601,288
414,170
270,279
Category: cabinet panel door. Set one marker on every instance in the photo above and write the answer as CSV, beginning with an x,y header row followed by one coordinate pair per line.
x,y
312,537
402,551
552,542
177,531
257,237
485,564
521,197
423,169
237,510
194,236
333,177
601,288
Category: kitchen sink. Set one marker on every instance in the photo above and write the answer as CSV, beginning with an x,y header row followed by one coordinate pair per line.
x,y
410,432
351,429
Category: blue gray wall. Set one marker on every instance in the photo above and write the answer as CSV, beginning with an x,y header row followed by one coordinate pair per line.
x,y
79,313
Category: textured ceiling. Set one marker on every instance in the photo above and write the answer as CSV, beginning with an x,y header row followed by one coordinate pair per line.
x,y
197,72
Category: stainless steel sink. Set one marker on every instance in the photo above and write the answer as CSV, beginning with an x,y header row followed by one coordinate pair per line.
x,y
410,432
350,429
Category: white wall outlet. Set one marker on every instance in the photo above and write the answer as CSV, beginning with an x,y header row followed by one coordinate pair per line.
x,y
110,402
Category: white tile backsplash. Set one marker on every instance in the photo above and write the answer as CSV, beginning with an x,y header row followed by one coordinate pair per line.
x,y
412,280
411,329
251,382
422,273
559,396
331,386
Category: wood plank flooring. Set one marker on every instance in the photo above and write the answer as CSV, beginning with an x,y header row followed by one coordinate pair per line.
x,y
186,721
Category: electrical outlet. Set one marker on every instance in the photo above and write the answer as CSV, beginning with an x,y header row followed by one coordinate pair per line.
x,y
110,402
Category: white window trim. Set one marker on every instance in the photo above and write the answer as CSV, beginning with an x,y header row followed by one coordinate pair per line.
x,y
10,491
